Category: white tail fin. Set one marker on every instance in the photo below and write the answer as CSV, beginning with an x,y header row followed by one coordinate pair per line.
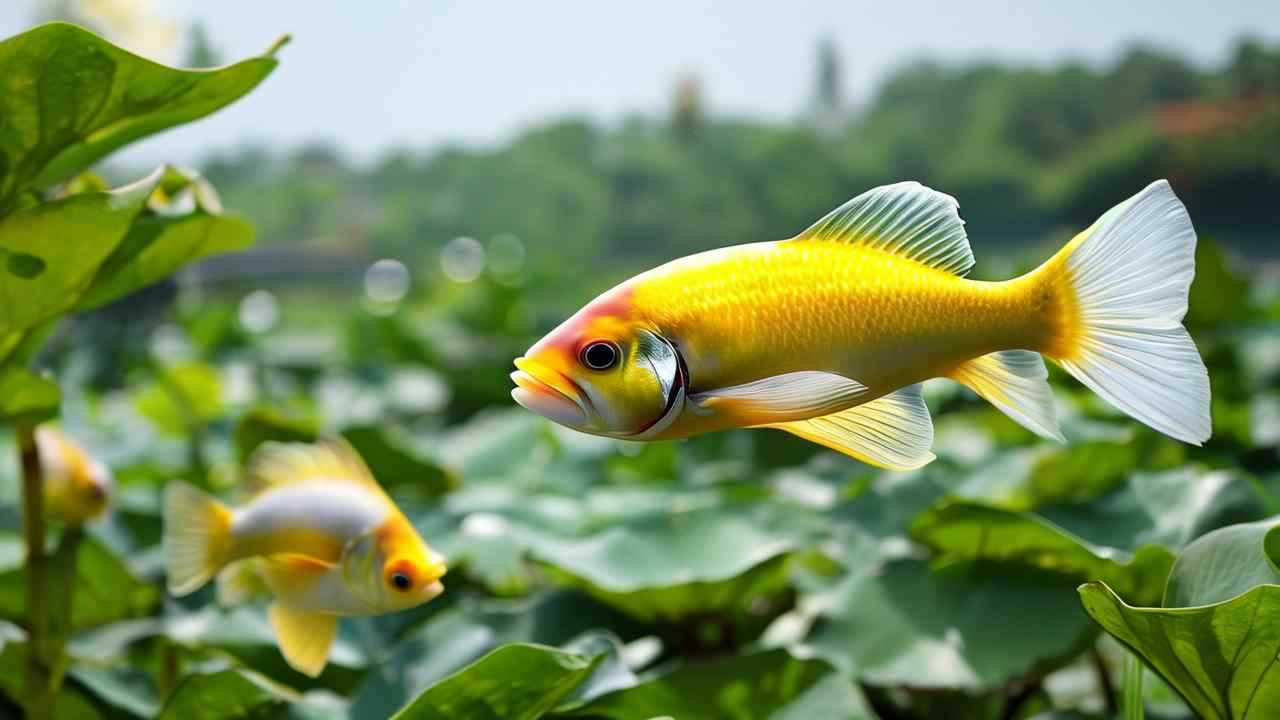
x,y
1120,293
197,537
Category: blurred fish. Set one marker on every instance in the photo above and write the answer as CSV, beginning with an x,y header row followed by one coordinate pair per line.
x,y
76,487
827,335
320,536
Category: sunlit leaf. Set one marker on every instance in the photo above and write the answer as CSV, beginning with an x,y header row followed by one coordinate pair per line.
x,y
1221,658
70,239
1215,640
514,682
68,98
164,238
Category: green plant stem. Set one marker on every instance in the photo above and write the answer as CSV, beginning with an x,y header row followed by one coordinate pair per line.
x,y
170,671
39,691
62,578
1133,670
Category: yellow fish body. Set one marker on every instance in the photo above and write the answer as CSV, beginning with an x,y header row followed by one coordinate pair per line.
x,y
827,335
318,534
76,486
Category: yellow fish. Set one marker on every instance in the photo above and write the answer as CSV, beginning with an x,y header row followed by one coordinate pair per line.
x,y
76,486
827,335
321,535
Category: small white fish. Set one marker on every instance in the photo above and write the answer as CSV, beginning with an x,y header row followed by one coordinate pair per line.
x,y
321,536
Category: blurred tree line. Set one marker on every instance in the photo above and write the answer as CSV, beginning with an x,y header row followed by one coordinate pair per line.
x,y
1027,151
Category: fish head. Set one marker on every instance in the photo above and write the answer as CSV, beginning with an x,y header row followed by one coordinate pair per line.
x,y
94,488
603,372
391,568
77,486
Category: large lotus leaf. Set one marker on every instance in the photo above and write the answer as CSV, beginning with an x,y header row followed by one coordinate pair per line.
x,y
68,98
1221,658
184,223
514,682
25,396
496,444
1225,563
1168,508
972,626
674,566
770,684
225,694
105,589
965,530
51,252
458,635
1216,639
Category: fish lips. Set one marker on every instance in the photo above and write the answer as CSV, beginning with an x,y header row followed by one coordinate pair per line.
x,y
548,393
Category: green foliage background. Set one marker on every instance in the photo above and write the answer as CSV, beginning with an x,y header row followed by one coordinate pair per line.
x,y
738,575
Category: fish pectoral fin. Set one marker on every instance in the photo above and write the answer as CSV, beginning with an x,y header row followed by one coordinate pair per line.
x,y
782,398
1017,383
304,637
893,431
905,219
289,575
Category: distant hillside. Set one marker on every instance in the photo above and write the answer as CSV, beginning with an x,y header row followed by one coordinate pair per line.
x,y
1026,151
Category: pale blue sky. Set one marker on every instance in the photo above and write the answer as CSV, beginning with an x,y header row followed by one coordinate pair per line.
x,y
422,72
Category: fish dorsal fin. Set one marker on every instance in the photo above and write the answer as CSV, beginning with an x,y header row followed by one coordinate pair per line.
x,y
304,636
906,219
275,464
893,431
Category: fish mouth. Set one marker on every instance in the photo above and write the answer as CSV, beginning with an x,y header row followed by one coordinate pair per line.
x,y
436,566
549,393
432,590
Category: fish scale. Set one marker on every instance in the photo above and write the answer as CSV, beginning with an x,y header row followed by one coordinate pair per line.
x,y
772,308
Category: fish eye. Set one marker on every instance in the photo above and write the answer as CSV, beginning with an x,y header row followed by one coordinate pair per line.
x,y
600,355
401,581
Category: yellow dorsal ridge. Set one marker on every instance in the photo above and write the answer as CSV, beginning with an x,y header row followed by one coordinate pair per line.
x,y
906,219
275,464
